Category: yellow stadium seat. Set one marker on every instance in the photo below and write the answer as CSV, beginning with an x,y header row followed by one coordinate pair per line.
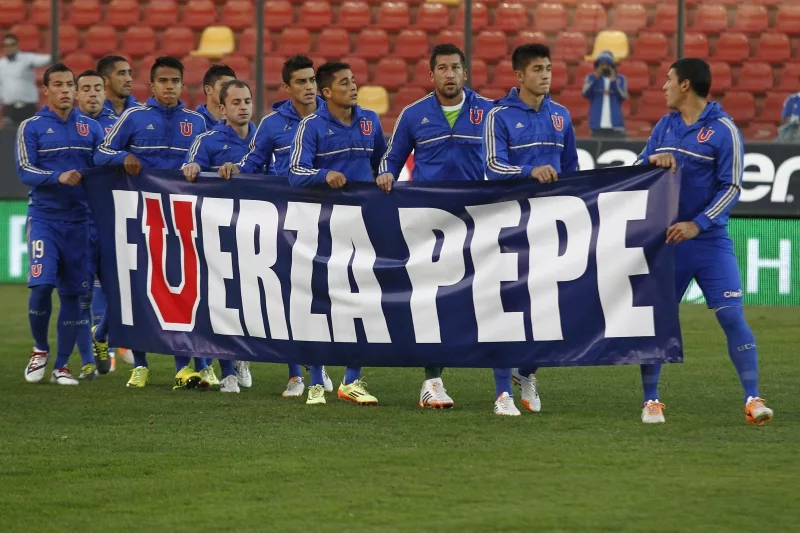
x,y
612,40
216,42
374,98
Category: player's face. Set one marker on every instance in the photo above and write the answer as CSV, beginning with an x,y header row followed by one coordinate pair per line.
x,y
343,91
91,94
121,79
60,91
10,47
238,108
214,91
302,86
448,75
672,90
537,76
167,86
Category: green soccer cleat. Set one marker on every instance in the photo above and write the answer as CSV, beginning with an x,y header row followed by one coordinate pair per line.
x,y
208,379
88,372
139,377
316,395
101,357
187,378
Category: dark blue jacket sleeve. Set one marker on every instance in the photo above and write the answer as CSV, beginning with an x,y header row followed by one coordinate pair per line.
x,y
652,143
261,148
569,156
728,176
304,149
400,146
113,151
27,157
495,143
198,152
378,148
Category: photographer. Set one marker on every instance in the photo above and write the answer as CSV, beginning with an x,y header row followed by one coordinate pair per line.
x,y
605,90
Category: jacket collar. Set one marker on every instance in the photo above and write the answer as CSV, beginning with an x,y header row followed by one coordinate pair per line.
x,y
233,136
130,101
358,114
512,99
286,108
152,102
45,111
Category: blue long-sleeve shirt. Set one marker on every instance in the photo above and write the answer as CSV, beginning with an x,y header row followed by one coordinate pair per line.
x,y
440,152
594,89
221,145
710,155
47,146
323,143
518,138
157,135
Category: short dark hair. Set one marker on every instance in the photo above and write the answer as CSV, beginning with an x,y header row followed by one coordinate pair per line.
x,y
58,67
216,72
11,36
525,53
327,71
105,66
696,71
223,93
165,62
293,64
447,50
86,74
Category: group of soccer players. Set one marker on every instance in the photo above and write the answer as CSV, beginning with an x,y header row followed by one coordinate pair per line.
x,y
320,135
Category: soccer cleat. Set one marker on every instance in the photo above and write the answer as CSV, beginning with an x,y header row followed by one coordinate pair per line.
x,y
187,378
63,376
208,379
243,373
113,357
653,412
88,372
316,395
34,372
356,392
326,380
434,395
504,405
101,357
139,377
529,390
756,412
229,384
295,388
126,354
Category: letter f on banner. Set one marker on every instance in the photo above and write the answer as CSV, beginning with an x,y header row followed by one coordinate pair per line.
x,y
175,307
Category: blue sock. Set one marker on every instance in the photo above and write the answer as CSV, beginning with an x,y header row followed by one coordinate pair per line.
x,y
296,372
181,361
200,363
84,340
527,371
209,361
502,381
139,358
650,376
316,375
40,307
227,368
351,374
741,347
99,304
69,326
101,333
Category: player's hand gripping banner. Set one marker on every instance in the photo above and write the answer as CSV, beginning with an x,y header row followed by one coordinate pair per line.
x,y
456,274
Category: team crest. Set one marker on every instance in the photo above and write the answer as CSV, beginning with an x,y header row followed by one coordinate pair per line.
x,y
36,270
476,116
558,122
186,128
704,135
366,127
83,128
108,130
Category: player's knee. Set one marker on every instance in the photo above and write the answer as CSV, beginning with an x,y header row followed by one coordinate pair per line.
x,y
41,294
731,318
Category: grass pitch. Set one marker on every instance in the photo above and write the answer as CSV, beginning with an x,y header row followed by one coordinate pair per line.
x,y
98,457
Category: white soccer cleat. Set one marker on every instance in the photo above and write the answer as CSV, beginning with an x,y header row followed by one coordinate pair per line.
x,y
243,375
63,376
756,412
229,384
434,395
653,412
529,390
295,388
504,405
326,380
34,372
126,355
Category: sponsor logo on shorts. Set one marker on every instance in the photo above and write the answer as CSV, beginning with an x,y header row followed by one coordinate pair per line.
x,y
733,294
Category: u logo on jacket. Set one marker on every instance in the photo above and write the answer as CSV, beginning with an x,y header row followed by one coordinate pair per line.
x,y
83,128
558,122
366,127
476,116
704,135
186,128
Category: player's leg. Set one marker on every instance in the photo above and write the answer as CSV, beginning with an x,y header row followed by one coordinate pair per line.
x,y
504,394
42,274
295,386
89,365
353,388
243,376
185,377
433,394
316,391
141,370
525,378
204,367
229,382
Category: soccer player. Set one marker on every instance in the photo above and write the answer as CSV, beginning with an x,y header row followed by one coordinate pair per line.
x,y
445,132
339,142
528,135
118,78
213,80
701,139
158,135
52,148
270,149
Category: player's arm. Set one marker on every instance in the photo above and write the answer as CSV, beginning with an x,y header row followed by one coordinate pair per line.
x,y
198,158
588,84
27,158
495,142
569,155
400,146
261,149
113,150
378,148
301,159
652,144
730,159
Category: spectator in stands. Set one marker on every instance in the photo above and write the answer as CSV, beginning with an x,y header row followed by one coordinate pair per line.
x,y
789,130
19,94
605,90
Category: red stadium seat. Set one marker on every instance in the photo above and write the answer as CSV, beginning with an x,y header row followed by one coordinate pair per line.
x,y
480,17
68,39
573,100
141,74
695,45
710,18
491,45
493,93
388,122
721,77
510,17
196,67
177,41
589,18
637,73
277,14
569,46
504,77
241,65
333,43
84,13
432,17
294,41
550,18
665,19
411,44
141,91
316,15
650,47
238,14
247,43
40,12
199,14
638,129
478,74
30,38
359,68
354,16
773,48
760,131
138,41
391,73
772,107
651,106
11,12
630,18
740,105
406,96
790,78
421,75
79,61
160,14
755,77
733,48
532,36
372,44
750,19
787,19
393,16
123,13
559,75
766,3
100,40
581,71
448,36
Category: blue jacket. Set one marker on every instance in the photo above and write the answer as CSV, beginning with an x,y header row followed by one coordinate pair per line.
x,y
130,102
221,145
710,155
323,143
440,152
47,146
107,118
210,120
273,140
518,138
158,136
791,107
594,90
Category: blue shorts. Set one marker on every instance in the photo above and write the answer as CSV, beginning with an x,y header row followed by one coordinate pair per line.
x,y
712,263
58,253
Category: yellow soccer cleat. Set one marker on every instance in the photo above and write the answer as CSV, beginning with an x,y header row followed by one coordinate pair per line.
x,y
356,392
101,356
139,377
208,379
756,412
316,395
187,378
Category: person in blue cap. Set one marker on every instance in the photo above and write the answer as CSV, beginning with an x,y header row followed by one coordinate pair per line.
x,y
606,89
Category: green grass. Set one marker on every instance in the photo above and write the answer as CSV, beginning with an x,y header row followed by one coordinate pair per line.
x,y
102,458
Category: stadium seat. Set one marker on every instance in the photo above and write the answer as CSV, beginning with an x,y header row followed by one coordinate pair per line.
x,y
406,96
695,45
432,17
196,67
393,16
550,18
589,18
79,61
510,17
122,13
710,18
638,129
665,19
478,74
766,3
374,98
651,47
238,14
68,39
84,13
333,43
421,75
160,14
755,77
637,73
651,106
790,78
773,48
581,71
494,93
273,65
315,15
294,40
480,17
141,74
388,122
787,19
613,40
354,16
241,65
559,75
11,12
447,35
504,77
391,73
359,68
141,90
760,131
177,41
247,43
40,12
721,77
529,36
750,19
569,46
199,14
411,44
216,42
277,15
138,41
372,43
733,48
30,38
490,45
740,105
573,100
630,18
772,107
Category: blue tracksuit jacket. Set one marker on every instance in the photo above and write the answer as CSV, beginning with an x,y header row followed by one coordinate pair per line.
x,y
710,154
791,106
440,152
130,102
210,120
158,136
323,143
518,138
221,145
594,89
